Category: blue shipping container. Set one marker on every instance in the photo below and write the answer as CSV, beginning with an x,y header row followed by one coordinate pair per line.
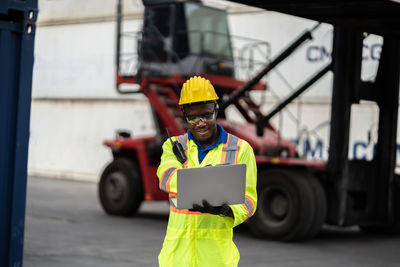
x,y
17,32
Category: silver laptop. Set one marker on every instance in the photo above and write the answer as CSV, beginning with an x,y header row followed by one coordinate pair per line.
x,y
217,184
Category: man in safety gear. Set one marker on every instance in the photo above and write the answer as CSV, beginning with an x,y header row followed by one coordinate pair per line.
x,y
202,236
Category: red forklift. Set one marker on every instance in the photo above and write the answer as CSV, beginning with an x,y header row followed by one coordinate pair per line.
x,y
181,39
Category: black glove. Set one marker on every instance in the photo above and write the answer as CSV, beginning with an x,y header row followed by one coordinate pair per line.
x,y
224,210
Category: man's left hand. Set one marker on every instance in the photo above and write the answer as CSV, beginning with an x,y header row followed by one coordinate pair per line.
x,y
224,209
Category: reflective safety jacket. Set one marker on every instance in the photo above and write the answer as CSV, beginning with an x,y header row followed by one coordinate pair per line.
x,y
199,239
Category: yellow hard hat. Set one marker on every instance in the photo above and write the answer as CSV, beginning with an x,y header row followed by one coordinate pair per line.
x,y
197,89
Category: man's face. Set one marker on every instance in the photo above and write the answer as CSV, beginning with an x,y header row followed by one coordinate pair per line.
x,y
205,129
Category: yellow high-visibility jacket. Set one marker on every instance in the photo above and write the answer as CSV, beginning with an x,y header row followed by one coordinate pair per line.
x,y
198,239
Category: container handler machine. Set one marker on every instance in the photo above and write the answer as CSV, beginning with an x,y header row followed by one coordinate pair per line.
x,y
182,39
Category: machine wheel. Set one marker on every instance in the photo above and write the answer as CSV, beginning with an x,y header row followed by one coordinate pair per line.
x,y
285,208
387,229
321,207
120,188
393,229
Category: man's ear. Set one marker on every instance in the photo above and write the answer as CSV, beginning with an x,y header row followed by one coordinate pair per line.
x,y
183,109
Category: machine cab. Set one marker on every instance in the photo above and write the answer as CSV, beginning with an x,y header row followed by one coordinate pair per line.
x,y
185,38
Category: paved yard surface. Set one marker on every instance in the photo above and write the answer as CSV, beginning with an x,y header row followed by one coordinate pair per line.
x,y
66,227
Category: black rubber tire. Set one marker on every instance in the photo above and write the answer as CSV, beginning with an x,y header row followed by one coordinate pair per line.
x,y
321,207
387,229
285,206
120,188
393,229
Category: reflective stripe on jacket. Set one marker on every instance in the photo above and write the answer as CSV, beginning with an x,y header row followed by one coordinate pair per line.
x,y
198,239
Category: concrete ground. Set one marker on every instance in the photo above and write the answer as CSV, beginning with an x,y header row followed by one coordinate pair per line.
x,y
66,227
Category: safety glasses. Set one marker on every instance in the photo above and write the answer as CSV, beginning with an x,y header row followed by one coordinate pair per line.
x,y
194,119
